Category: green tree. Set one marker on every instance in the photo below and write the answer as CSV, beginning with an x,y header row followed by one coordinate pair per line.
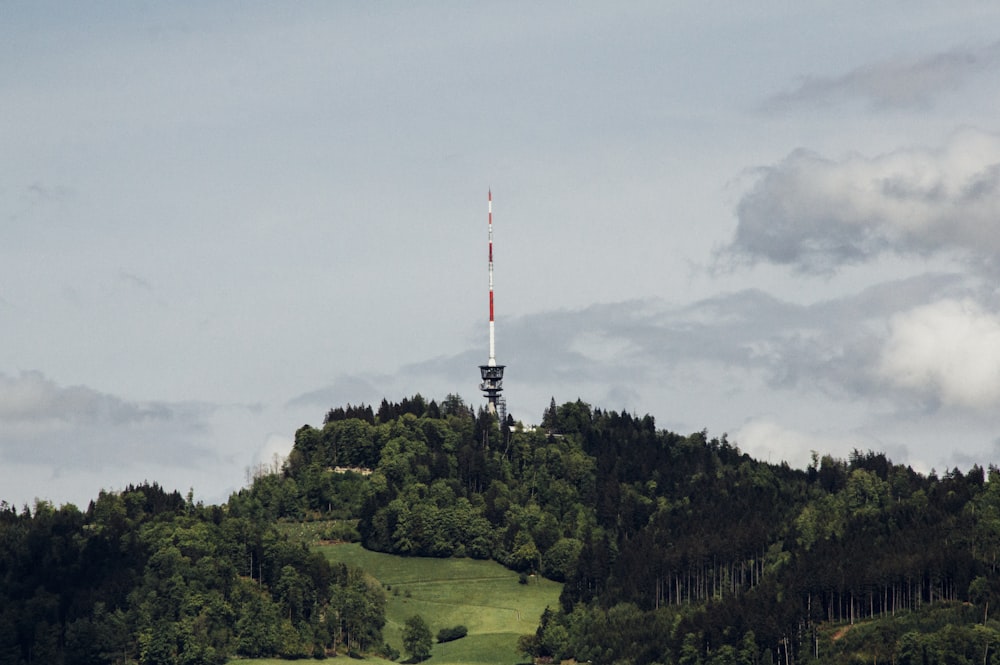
x,y
417,638
525,555
559,562
690,650
529,645
980,592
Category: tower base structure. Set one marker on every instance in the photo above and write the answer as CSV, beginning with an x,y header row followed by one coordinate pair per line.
x,y
492,385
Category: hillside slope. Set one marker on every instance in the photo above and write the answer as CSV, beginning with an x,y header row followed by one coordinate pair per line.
x,y
670,545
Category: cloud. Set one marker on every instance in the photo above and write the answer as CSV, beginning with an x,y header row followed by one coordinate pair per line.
x,y
898,82
65,427
827,346
783,378
274,451
946,352
770,441
346,389
818,214
623,354
31,397
134,281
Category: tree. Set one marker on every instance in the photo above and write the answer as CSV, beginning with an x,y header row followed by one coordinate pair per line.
x,y
549,416
559,561
454,405
417,639
980,592
528,644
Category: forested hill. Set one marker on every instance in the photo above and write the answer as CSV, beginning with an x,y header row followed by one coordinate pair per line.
x,y
674,548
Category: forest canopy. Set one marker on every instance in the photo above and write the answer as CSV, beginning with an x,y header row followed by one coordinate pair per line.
x,y
686,539
672,548
145,575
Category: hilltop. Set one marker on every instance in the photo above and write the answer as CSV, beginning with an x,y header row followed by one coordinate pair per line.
x,y
682,544
672,548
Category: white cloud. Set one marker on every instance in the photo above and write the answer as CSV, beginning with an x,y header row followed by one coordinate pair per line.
x,y
772,439
274,451
769,441
947,352
818,214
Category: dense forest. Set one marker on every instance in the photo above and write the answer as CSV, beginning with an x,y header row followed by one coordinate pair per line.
x,y
673,548
147,576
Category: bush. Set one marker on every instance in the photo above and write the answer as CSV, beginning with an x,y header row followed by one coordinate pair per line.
x,y
389,652
343,532
454,633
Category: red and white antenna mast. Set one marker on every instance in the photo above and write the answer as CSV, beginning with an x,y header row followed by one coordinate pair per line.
x,y
491,373
489,216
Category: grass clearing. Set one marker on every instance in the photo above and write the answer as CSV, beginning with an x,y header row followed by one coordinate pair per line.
x,y
481,595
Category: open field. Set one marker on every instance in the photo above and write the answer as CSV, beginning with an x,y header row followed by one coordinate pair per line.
x,y
481,595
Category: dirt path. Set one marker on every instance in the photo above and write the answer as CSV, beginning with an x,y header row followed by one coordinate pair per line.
x,y
840,633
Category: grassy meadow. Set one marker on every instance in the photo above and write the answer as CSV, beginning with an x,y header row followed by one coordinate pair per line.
x,y
481,595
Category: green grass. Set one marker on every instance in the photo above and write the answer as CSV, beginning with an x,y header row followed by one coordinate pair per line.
x,y
344,660
481,595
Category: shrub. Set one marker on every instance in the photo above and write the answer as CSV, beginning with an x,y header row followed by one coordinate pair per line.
x,y
343,532
454,633
389,652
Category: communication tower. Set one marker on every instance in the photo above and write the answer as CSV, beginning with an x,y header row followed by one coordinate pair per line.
x,y
491,372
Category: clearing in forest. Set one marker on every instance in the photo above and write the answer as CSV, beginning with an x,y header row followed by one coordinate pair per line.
x,y
483,596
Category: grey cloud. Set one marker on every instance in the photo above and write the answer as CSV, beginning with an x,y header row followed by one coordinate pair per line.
x,y
762,368
785,220
40,193
31,397
346,389
77,426
35,198
622,350
134,281
898,82
817,214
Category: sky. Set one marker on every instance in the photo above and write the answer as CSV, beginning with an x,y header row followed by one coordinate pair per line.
x,y
218,220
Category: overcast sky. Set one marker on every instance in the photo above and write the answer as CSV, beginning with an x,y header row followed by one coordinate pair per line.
x,y
218,220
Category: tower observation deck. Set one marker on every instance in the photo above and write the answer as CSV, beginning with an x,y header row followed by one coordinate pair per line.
x,y
492,385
